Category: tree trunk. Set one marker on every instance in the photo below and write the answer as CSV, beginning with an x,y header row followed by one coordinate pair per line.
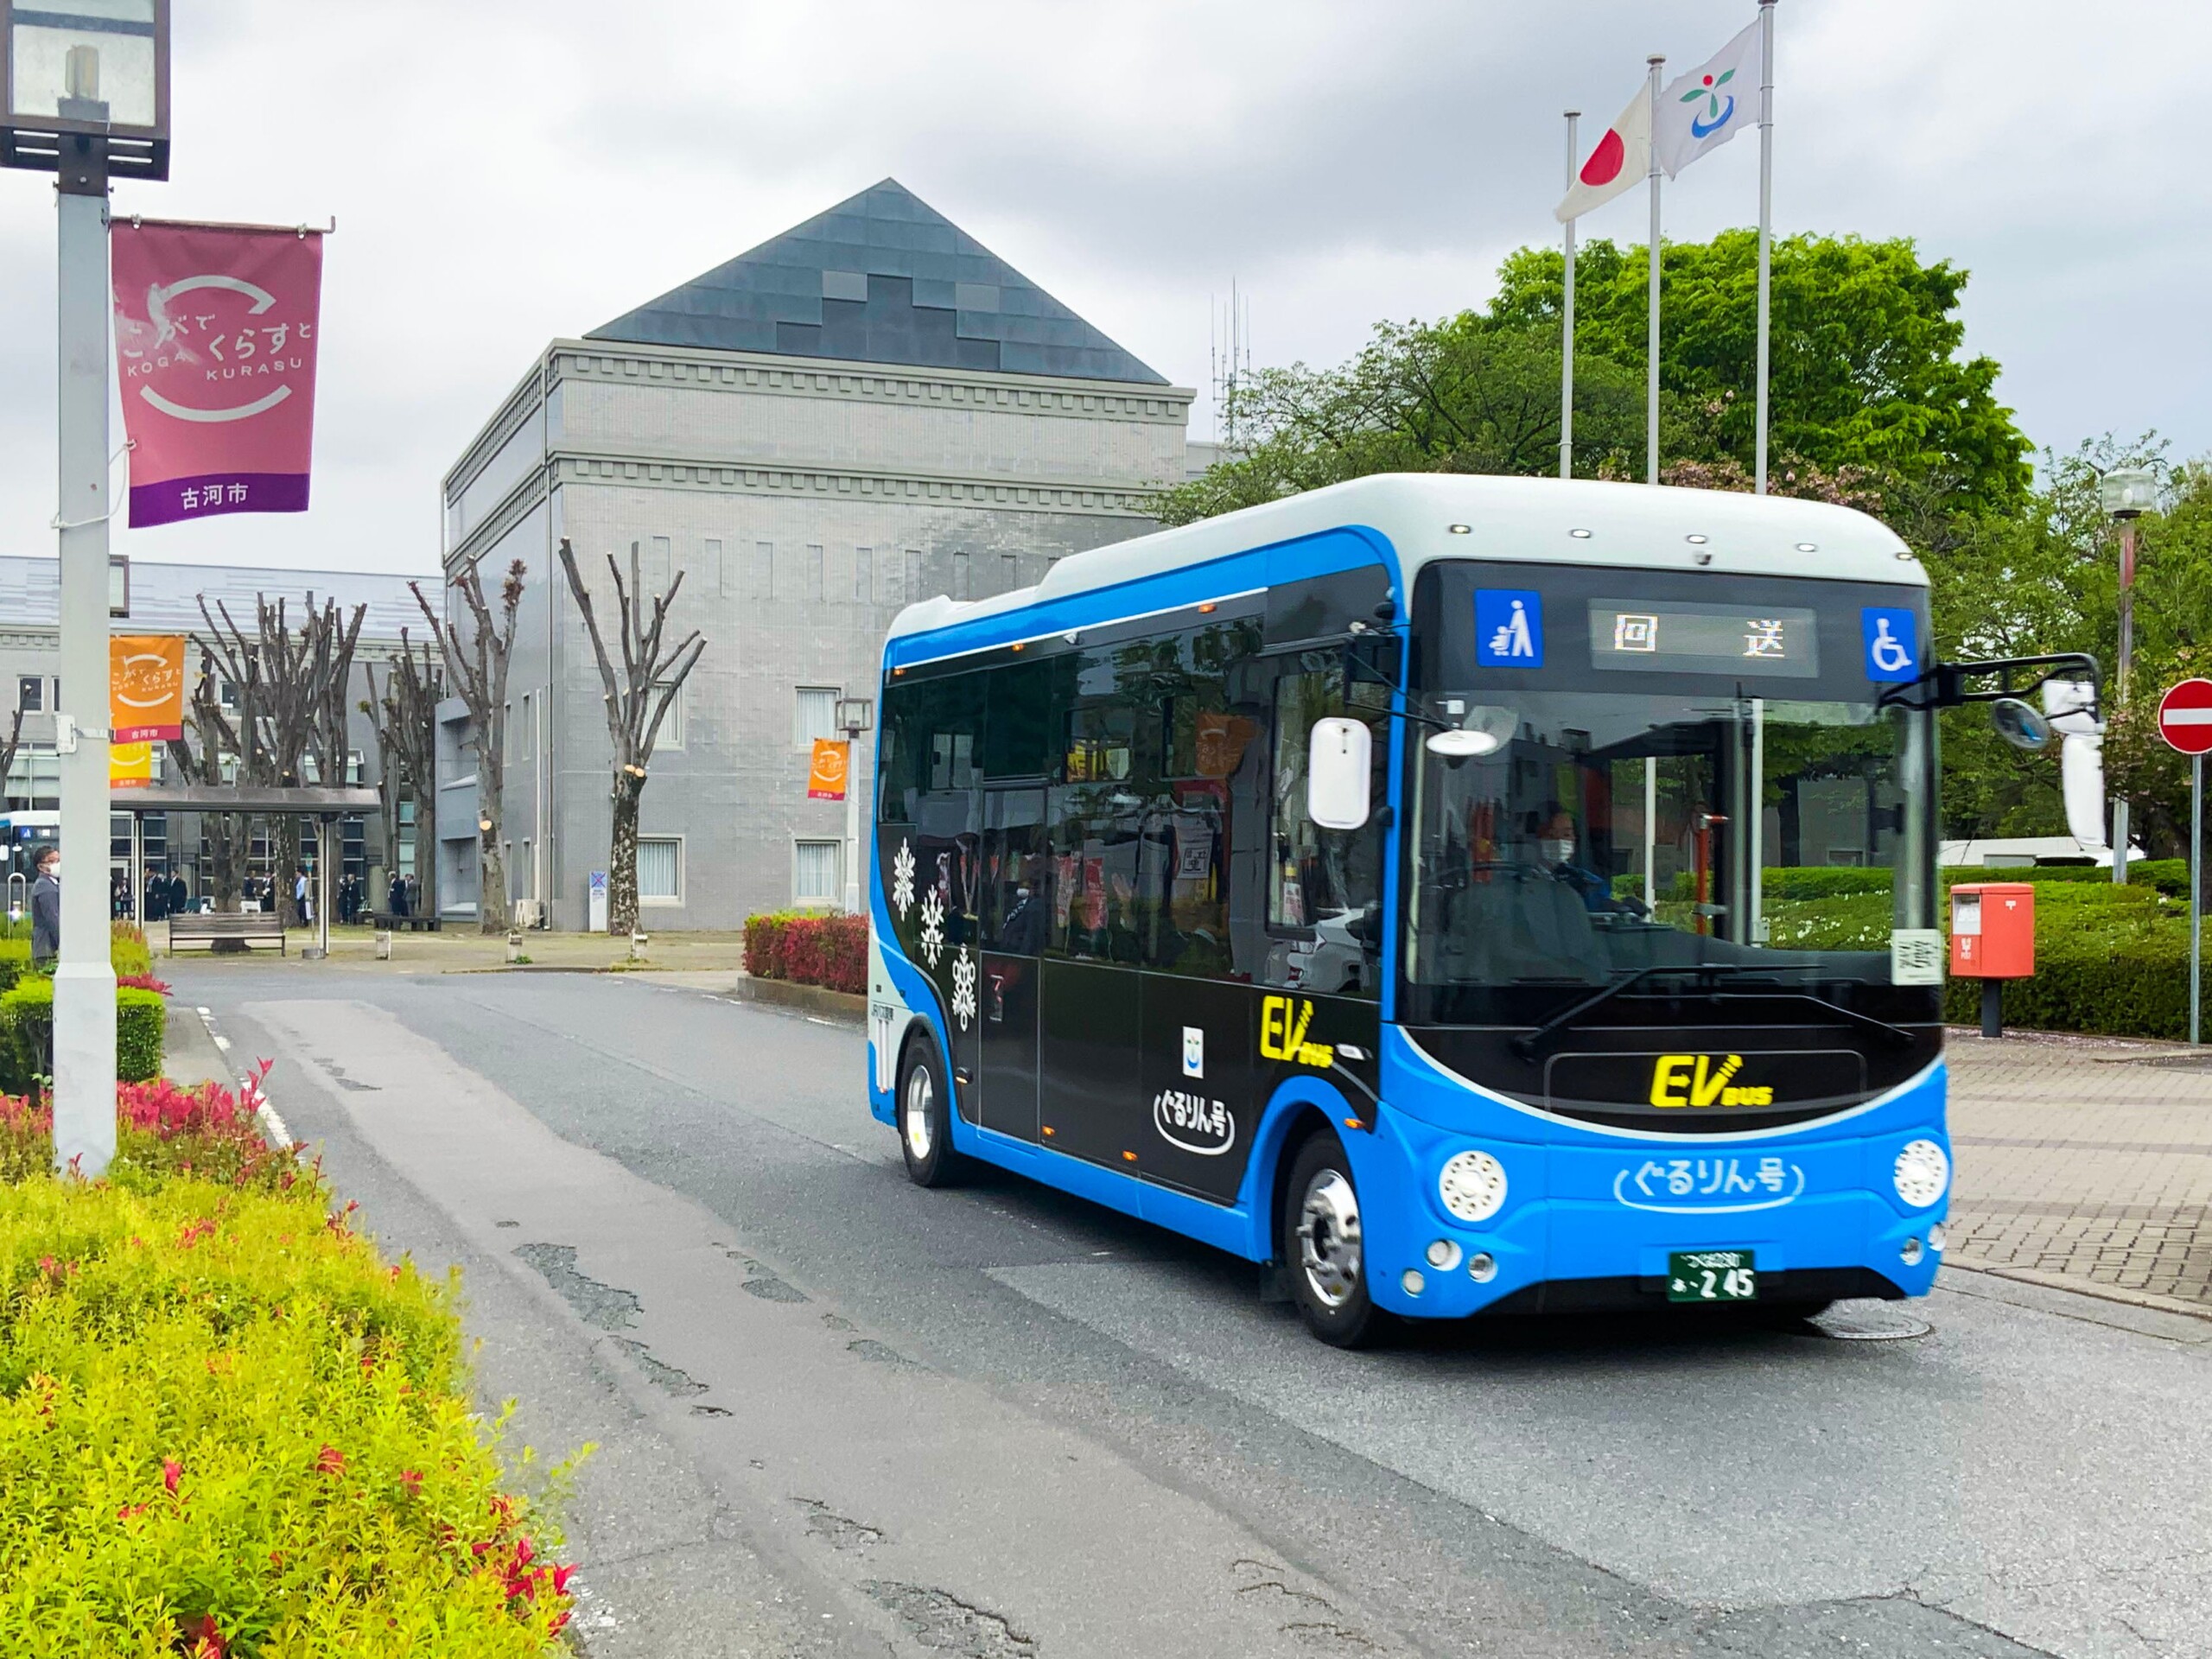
x,y
622,858
426,850
223,829
492,900
285,859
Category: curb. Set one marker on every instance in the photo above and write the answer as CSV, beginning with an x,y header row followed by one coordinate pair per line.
x,y
844,1006
2142,1299
272,1127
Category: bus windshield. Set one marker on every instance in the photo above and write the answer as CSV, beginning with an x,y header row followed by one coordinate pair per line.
x,y
1761,829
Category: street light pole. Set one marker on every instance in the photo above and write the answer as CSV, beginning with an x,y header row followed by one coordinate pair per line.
x,y
856,715
2126,493
84,977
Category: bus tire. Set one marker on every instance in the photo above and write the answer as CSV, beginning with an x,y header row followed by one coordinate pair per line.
x,y
924,1117
1322,1248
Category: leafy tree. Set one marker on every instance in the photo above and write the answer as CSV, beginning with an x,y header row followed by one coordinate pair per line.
x,y
1865,342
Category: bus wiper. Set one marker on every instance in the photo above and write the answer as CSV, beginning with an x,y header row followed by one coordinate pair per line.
x,y
1526,1046
1897,1034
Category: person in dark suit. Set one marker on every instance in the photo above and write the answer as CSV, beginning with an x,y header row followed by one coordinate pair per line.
x,y
178,898
46,907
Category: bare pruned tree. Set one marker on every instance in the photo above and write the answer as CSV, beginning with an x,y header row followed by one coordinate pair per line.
x,y
404,715
8,745
476,671
210,735
292,706
638,699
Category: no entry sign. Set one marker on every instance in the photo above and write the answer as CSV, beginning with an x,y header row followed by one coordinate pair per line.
x,y
2186,717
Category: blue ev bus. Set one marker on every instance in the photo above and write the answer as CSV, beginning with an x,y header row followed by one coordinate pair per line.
x,y
1468,895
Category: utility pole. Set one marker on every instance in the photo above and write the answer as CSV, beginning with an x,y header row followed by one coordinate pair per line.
x,y
1651,330
2126,493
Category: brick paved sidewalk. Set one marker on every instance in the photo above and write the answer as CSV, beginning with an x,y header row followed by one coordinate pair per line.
x,y
2084,1158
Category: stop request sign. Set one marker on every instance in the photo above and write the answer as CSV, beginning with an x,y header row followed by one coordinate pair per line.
x,y
2186,717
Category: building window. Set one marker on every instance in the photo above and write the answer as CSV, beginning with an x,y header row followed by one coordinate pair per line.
x,y
818,872
672,723
864,574
813,572
352,766
658,571
814,715
960,577
660,869
30,694
1009,572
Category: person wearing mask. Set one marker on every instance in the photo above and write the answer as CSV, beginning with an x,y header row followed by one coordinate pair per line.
x,y
46,907
1556,850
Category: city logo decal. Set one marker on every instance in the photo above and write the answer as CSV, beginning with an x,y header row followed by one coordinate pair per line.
x,y
1709,1185
1283,1020
1194,1122
1717,114
1694,1081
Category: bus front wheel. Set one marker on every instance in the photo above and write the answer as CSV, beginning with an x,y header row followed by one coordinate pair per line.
x,y
1323,1248
925,1118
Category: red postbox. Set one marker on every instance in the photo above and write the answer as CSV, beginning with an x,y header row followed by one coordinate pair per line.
x,y
1992,939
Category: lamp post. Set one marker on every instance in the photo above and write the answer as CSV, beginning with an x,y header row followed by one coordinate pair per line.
x,y
86,98
2126,493
855,715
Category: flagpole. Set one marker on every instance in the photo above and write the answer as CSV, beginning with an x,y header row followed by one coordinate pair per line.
x,y
1567,328
1766,225
1652,342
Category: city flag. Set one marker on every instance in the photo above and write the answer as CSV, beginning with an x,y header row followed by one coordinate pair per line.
x,y
1622,158
216,328
825,778
145,687
1711,104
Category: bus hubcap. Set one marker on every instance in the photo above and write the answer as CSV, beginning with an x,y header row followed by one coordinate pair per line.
x,y
920,1097
1328,1238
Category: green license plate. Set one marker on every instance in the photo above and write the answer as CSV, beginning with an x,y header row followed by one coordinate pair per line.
x,y
1712,1276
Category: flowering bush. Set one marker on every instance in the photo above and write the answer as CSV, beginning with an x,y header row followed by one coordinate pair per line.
x,y
142,982
227,1426
809,949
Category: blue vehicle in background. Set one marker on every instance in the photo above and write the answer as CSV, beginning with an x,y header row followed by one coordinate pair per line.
x,y
1471,895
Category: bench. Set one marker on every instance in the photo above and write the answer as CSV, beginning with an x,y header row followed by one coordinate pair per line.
x,y
210,927
385,921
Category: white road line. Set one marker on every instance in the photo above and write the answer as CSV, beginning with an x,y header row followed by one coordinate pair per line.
x,y
272,1127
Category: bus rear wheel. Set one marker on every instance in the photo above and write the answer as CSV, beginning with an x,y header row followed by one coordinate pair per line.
x,y
1323,1250
925,1118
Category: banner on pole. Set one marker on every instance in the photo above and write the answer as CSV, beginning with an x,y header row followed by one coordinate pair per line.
x,y
216,328
130,766
145,687
825,779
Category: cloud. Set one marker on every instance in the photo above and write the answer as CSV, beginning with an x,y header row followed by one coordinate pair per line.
x,y
505,173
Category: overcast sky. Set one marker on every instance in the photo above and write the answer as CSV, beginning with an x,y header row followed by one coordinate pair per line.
x,y
503,173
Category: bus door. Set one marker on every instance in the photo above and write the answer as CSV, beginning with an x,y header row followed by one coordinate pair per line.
x,y
1012,923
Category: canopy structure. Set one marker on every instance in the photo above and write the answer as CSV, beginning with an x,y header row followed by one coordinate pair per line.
x,y
324,803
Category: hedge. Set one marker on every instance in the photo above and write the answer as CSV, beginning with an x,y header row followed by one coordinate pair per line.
x,y
808,948
227,1426
27,1032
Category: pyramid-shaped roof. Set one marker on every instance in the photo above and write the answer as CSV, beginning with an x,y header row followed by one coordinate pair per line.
x,y
882,277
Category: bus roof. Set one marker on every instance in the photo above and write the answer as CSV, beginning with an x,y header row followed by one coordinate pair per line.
x,y
1539,520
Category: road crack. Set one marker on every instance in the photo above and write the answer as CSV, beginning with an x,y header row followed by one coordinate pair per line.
x,y
939,1619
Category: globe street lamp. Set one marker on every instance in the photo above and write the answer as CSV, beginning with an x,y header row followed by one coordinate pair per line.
x,y
86,98
2126,493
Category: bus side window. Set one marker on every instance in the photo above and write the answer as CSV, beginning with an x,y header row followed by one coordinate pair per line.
x,y
933,781
1016,896
1324,887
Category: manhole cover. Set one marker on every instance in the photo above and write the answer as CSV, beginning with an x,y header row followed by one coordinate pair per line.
x,y
1869,1322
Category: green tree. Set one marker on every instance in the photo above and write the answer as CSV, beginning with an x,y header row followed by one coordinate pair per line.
x,y
1866,370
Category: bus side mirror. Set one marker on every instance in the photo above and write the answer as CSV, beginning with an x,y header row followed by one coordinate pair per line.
x,y
2018,723
1339,770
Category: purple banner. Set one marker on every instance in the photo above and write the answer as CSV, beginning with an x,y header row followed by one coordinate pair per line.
x,y
199,497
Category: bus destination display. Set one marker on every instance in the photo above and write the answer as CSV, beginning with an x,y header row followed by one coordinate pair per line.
x,y
1655,635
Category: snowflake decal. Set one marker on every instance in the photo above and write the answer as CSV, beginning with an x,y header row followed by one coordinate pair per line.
x,y
963,987
902,880
933,939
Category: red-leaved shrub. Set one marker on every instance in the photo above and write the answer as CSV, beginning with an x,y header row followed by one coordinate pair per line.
x,y
809,950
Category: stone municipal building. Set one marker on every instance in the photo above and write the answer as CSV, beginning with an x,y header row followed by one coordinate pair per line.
x,y
868,409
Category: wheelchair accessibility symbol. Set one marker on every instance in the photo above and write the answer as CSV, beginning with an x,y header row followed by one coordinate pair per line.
x,y
1890,633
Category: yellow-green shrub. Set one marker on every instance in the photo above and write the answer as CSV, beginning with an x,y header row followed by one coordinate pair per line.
x,y
227,1426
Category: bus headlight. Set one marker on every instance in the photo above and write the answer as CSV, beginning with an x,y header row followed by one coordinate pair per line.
x,y
1922,1173
1473,1186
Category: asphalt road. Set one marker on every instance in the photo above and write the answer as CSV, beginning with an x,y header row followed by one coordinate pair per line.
x,y
835,1413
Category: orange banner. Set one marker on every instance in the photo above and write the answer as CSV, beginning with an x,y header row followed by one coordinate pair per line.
x,y
130,766
825,779
145,687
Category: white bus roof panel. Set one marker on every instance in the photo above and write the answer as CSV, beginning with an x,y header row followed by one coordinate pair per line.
x,y
1539,520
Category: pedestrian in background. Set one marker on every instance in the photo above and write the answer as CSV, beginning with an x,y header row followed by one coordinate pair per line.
x,y
45,906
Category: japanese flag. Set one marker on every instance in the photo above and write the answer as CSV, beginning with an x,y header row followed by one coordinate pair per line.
x,y
1711,104
1622,158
